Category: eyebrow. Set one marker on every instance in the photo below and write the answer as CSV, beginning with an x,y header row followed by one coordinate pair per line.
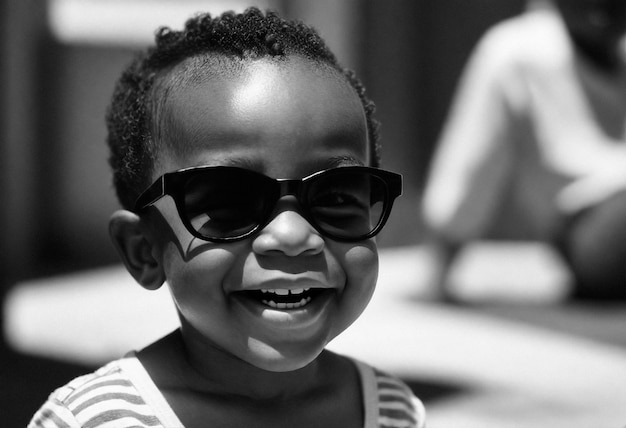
x,y
346,160
238,162
253,165
332,162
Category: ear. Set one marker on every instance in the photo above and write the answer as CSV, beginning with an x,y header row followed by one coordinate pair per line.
x,y
137,249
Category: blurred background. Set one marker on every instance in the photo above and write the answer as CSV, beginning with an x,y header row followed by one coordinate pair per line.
x,y
58,63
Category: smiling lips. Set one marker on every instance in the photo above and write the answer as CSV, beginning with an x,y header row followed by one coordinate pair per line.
x,y
286,298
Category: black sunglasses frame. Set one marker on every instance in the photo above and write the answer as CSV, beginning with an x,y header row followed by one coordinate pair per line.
x,y
172,183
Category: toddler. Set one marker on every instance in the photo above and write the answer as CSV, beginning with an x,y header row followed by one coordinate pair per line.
x,y
245,159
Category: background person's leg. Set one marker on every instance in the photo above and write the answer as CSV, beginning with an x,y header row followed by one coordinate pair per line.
x,y
594,244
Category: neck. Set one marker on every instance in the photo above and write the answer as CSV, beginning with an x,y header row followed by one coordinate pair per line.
x,y
205,368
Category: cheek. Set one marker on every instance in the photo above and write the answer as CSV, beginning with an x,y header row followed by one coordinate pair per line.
x,y
200,279
361,268
198,272
363,265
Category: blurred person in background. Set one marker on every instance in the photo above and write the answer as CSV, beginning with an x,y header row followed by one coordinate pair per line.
x,y
534,147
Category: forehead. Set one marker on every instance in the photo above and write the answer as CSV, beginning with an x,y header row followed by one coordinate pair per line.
x,y
228,109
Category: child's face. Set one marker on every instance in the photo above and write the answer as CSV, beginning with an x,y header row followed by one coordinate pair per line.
x,y
284,120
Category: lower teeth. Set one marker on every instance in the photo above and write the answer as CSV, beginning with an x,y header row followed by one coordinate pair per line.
x,y
296,305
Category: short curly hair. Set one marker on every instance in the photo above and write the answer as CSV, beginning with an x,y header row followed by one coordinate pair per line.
x,y
132,116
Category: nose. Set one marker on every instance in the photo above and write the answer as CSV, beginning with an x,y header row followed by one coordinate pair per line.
x,y
289,233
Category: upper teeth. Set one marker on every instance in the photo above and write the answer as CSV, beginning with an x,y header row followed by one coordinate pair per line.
x,y
285,291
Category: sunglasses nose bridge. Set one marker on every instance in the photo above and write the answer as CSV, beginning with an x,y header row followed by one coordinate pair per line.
x,y
292,187
289,187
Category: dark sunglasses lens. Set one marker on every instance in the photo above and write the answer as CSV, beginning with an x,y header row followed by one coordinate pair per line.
x,y
224,204
347,205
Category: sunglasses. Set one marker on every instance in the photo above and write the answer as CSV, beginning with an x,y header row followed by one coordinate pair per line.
x,y
226,204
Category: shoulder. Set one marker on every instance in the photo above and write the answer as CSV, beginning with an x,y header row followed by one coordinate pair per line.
x,y
93,399
392,400
536,38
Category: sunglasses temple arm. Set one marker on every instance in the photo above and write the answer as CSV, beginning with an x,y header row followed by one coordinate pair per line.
x,y
396,186
152,194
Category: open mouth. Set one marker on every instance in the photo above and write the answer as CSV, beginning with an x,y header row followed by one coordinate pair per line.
x,y
285,298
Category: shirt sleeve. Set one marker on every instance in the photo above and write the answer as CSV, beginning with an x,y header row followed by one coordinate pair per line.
x,y
53,414
397,405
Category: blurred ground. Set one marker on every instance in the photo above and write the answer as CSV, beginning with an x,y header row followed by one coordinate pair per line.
x,y
514,354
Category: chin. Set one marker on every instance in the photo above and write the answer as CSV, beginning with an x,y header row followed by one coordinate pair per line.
x,y
271,359
284,366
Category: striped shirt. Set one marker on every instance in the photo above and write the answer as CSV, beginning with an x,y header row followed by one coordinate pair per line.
x,y
122,395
